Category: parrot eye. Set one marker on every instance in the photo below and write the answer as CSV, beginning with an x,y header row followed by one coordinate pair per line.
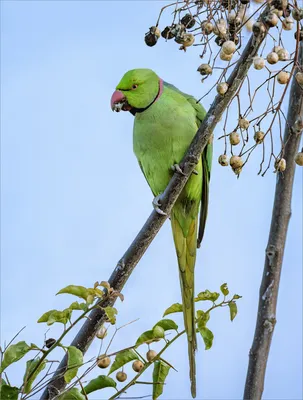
x,y
134,86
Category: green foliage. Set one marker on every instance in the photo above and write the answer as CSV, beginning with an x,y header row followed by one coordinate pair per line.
x,y
147,337
74,361
232,309
207,336
8,392
123,358
52,316
98,383
78,306
167,324
160,373
207,295
14,353
33,368
158,332
87,294
111,314
224,289
177,307
72,394
202,318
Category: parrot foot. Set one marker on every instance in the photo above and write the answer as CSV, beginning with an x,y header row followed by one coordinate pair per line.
x,y
157,205
177,168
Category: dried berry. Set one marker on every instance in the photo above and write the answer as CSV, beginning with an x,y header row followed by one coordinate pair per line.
x,y
150,39
259,137
288,24
150,355
272,58
137,365
280,164
50,342
229,47
299,159
279,4
243,123
222,88
234,138
207,27
299,78
297,14
283,77
283,55
223,160
300,35
103,362
225,57
205,69
167,33
121,376
271,19
188,21
101,333
258,28
259,63
236,163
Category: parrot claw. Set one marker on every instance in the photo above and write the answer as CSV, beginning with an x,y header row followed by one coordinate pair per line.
x,y
177,168
157,205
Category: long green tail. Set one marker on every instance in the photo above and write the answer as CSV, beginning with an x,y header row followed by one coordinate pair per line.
x,y
186,245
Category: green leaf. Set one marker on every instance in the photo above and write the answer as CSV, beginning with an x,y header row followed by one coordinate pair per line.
x,y
167,324
45,316
232,309
236,297
207,336
158,332
98,383
14,353
111,314
52,316
78,306
123,358
72,394
224,289
30,366
160,373
147,337
8,392
74,361
79,291
202,319
207,295
177,307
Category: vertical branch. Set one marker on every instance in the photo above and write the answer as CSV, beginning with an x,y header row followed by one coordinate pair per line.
x,y
266,317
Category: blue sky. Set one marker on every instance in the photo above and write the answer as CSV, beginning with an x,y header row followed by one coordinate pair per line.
x,y
73,197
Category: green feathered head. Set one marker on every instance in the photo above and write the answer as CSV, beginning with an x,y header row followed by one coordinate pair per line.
x,y
136,91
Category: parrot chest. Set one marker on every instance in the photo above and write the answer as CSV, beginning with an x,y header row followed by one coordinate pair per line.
x,y
161,136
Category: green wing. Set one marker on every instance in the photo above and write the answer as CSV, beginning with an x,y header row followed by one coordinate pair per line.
x,y
206,162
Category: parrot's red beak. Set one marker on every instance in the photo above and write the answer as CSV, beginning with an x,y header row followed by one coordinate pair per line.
x,y
118,102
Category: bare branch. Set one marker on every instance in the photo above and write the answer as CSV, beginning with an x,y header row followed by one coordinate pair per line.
x,y
266,318
155,221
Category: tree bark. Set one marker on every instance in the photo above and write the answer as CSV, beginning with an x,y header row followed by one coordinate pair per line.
x,y
155,221
268,296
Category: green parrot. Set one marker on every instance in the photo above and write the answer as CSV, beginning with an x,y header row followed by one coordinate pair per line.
x,y
166,120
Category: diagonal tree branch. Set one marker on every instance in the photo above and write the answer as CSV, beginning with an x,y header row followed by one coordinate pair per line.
x,y
155,221
268,296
